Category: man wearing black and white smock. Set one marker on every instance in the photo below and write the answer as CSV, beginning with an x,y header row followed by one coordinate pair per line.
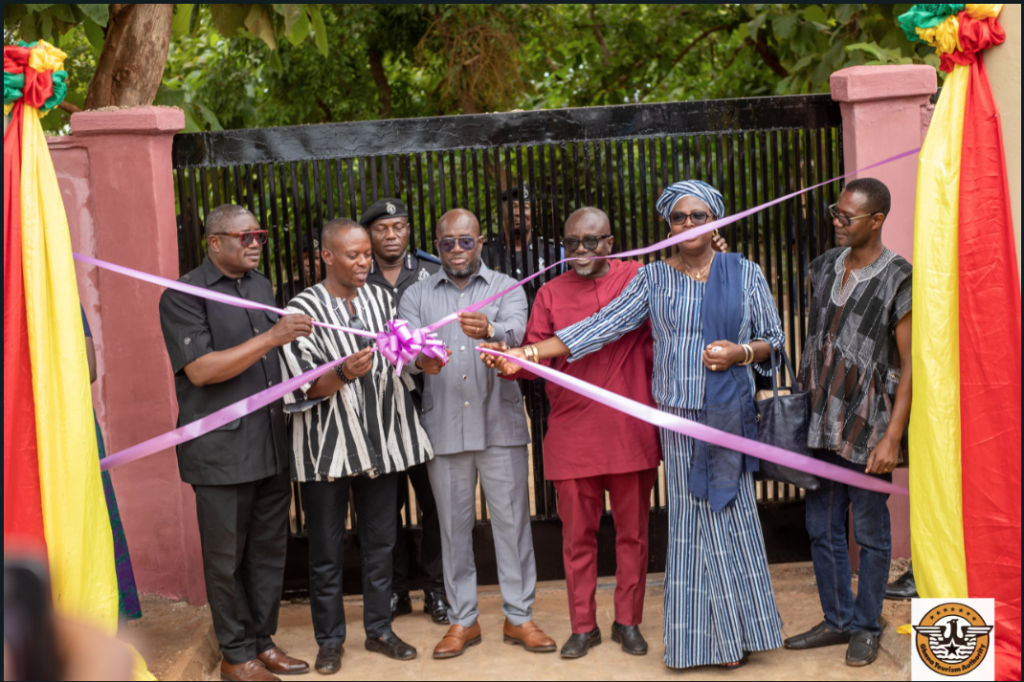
x,y
353,430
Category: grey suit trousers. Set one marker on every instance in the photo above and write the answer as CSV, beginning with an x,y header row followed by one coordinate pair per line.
x,y
504,475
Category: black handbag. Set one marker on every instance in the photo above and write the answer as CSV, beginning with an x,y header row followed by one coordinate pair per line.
x,y
783,420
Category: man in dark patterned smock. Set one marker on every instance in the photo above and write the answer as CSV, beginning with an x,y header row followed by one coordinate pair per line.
x,y
856,365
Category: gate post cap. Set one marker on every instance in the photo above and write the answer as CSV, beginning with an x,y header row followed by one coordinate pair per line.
x,y
868,83
133,121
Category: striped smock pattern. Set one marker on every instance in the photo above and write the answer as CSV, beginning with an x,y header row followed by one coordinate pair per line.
x,y
719,601
370,426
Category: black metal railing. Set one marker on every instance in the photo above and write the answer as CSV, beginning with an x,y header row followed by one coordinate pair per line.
x,y
617,158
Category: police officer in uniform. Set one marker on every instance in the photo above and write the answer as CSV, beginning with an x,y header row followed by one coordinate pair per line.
x,y
221,354
395,269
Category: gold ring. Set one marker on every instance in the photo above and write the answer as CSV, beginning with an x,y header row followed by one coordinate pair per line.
x,y
714,368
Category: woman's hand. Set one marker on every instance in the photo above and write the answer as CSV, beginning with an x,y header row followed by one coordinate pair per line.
x,y
431,365
719,244
358,364
501,364
721,356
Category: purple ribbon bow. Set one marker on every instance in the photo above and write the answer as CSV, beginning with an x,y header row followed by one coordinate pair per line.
x,y
402,345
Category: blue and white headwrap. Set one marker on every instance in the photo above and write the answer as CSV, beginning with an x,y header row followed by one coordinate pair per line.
x,y
691,188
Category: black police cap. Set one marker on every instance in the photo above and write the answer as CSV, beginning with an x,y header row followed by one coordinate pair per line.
x,y
384,209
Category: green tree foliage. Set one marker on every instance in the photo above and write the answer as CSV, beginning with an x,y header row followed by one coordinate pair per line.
x,y
232,66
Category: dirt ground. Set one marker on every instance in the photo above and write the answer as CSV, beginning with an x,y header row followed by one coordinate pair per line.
x,y
164,635
165,631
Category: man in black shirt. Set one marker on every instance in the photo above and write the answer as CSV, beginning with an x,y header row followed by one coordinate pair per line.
x,y
395,269
505,253
221,354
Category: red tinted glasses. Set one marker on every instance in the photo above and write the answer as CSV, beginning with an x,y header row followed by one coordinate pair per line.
x,y
247,238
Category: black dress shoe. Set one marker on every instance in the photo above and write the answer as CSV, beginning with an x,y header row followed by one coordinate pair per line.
x,y
579,645
392,647
328,661
633,643
863,649
435,604
818,636
904,587
401,605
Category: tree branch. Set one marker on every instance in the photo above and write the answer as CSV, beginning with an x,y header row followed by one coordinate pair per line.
x,y
686,50
380,77
768,57
68,107
608,54
745,43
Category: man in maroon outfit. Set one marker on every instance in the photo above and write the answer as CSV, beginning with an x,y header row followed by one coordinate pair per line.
x,y
589,448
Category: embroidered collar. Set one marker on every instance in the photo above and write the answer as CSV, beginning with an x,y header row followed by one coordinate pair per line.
x,y
841,294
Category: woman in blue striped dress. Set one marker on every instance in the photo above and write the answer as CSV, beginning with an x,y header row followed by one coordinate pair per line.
x,y
719,602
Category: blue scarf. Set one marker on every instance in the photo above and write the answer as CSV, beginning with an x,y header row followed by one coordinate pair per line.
x,y
715,472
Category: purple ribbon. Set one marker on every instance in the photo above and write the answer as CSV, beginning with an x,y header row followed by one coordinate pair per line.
x,y
401,346
704,433
218,419
671,241
199,292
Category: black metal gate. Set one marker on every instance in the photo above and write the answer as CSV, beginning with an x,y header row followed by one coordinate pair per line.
x,y
617,158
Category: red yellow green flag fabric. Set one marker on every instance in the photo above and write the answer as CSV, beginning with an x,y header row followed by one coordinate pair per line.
x,y
966,426
51,381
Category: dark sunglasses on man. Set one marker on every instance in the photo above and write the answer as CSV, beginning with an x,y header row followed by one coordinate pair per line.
x,y
447,245
257,237
571,244
845,220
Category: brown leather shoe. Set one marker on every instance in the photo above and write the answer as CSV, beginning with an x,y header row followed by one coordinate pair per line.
x,y
457,640
250,671
530,637
278,662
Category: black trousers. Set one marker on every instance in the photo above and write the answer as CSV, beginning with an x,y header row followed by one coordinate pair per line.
x,y
431,566
244,533
326,506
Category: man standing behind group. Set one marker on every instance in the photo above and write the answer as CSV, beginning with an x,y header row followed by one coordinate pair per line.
x,y
477,426
856,366
221,354
352,429
395,269
590,448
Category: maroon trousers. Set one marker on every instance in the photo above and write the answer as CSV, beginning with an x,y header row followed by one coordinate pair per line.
x,y
580,506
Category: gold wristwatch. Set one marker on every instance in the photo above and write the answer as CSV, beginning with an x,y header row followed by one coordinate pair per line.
x,y
490,330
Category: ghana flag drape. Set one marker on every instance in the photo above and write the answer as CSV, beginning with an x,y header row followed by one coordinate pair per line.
x,y
966,424
53,492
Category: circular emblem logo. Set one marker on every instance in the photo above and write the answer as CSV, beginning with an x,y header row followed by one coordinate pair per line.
x,y
390,208
952,639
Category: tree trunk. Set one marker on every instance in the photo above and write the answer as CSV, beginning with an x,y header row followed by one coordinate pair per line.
x,y
380,77
131,65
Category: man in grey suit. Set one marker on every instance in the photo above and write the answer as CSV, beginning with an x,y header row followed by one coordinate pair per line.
x,y
477,426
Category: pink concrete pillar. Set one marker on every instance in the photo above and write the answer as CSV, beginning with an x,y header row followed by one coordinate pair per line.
x,y
117,185
886,111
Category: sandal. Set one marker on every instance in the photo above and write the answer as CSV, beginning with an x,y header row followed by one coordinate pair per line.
x,y
735,665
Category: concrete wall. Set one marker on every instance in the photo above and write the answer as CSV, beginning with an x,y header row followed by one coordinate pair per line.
x,y
1003,65
115,178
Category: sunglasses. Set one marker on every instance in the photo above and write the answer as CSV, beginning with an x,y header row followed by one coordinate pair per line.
x,y
589,243
447,245
247,238
697,219
846,220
